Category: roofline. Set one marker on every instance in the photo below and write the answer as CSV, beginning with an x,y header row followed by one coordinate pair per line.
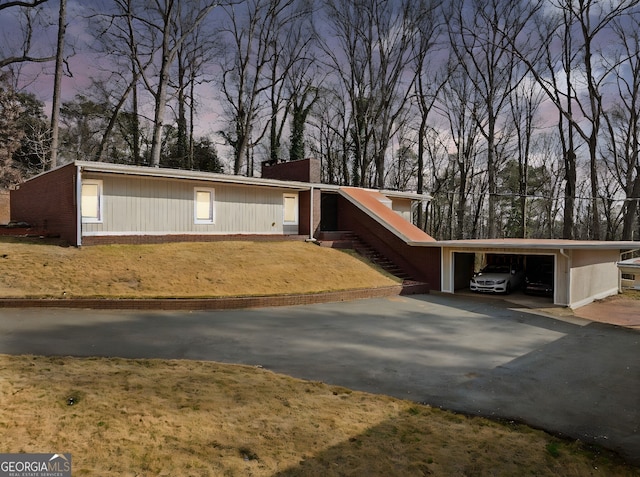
x,y
162,172
543,244
631,264
227,178
404,194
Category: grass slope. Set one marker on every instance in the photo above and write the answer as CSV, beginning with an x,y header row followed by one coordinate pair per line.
x,y
213,269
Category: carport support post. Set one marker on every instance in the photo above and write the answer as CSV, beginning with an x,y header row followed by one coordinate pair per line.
x,y
311,217
78,204
311,214
567,273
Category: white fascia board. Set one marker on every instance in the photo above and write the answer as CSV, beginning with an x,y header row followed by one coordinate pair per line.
x,y
631,266
405,195
104,167
542,244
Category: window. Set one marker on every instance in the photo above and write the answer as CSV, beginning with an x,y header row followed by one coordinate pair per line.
x,y
290,202
204,212
91,202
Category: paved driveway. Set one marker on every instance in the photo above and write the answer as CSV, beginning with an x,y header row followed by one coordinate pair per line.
x,y
577,378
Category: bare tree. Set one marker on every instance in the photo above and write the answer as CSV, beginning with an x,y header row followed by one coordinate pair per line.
x,y
191,59
460,104
545,206
57,84
573,79
168,25
23,52
524,104
331,144
593,18
440,183
622,143
250,34
117,39
146,38
482,34
301,78
427,84
369,53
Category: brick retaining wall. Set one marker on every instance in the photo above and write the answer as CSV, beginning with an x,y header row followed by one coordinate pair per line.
x,y
227,303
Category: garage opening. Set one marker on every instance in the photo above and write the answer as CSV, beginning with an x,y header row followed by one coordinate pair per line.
x,y
463,269
504,273
540,275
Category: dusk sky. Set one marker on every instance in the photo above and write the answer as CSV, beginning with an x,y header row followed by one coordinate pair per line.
x,y
84,63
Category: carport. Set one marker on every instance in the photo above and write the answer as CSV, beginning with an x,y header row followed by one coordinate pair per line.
x,y
583,271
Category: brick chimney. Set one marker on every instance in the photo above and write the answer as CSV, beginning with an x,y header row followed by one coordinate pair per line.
x,y
303,170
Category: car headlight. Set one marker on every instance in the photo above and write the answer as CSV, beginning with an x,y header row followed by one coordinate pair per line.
x,y
500,282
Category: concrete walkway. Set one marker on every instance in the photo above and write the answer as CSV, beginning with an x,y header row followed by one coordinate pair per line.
x,y
569,376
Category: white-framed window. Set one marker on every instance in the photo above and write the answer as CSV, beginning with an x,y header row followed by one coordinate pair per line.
x,y
91,201
204,205
290,204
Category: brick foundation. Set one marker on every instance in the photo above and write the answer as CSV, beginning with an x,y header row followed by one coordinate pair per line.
x,y
216,303
154,239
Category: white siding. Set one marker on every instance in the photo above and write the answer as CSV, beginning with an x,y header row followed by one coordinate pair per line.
x,y
594,275
143,205
403,208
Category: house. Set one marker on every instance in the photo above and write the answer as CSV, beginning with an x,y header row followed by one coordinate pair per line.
x,y
631,268
89,203
93,202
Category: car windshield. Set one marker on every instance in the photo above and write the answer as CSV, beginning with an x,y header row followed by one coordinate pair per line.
x,y
496,269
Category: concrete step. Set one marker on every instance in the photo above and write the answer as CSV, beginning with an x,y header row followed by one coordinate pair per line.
x,y
340,244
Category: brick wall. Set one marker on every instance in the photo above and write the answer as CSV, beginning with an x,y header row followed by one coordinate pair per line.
x,y
304,170
47,203
214,303
423,263
304,198
151,239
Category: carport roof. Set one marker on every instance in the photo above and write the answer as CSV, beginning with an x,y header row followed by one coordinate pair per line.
x,y
544,244
632,265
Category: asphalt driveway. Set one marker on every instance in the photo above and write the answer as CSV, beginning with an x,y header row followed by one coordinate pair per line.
x,y
576,378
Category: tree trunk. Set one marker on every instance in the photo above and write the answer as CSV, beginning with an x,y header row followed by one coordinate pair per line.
x,y
57,85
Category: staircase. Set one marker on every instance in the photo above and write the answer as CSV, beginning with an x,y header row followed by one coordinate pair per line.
x,y
349,240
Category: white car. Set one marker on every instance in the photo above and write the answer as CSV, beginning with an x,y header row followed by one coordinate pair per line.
x,y
497,279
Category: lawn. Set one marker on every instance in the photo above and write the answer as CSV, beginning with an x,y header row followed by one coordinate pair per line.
x,y
121,417
179,270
